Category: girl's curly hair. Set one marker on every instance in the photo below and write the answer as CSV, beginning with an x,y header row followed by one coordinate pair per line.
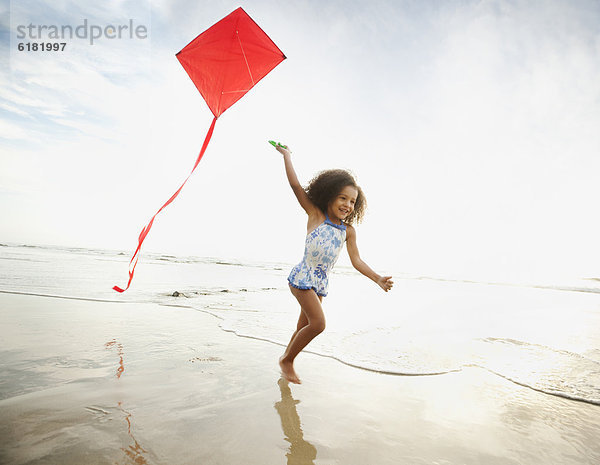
x,y
326,185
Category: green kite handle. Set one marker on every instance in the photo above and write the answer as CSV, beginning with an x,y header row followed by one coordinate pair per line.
x,y
277,144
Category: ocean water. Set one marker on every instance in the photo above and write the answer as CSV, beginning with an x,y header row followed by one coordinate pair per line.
x,y
541,335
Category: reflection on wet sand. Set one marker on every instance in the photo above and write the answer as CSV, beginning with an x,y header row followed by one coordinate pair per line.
x,y
301,452
134,452
119,346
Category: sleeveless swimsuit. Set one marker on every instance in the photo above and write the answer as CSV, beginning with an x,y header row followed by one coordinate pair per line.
x,y
321,251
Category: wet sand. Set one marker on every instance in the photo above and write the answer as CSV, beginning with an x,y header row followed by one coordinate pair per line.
x,y
88,382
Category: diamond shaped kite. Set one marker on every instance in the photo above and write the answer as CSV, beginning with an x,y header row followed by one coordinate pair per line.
x,y
224,62
228,59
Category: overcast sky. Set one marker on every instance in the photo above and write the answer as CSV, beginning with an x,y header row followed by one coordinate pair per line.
x,y
472,126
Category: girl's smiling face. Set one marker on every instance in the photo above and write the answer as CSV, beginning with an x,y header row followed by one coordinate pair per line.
x,y
343,203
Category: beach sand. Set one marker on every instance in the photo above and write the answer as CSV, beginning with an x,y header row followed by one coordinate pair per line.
x,y
91,382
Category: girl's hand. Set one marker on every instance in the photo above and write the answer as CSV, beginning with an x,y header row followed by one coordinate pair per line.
x,y
385,283
283,150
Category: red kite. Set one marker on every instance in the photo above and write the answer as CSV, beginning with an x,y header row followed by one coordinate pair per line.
x,y
224,62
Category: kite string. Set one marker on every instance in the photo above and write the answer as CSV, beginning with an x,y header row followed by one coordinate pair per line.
x,y
146,229
237,33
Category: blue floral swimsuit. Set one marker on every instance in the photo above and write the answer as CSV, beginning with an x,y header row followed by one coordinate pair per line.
x,y
321,251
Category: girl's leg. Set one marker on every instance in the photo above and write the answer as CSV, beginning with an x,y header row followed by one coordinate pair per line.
x,y
302,322
310,324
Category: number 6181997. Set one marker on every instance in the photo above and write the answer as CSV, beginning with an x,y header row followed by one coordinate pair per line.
x,y
41,46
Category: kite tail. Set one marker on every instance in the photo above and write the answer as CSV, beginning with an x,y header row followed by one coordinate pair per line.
x,y
146,229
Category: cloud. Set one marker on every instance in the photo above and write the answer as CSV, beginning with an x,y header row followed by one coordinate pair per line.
x,y
13,109
11,131
86,89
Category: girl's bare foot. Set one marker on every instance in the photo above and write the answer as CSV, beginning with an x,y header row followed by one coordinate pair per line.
x,y
287,370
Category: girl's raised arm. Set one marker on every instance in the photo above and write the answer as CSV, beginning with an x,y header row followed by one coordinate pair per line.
x,y
309,207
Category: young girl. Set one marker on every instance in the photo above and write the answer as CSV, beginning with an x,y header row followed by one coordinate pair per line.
x,y
332,201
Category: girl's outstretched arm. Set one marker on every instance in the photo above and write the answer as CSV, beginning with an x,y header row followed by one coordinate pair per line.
x,y
385,282
310,208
